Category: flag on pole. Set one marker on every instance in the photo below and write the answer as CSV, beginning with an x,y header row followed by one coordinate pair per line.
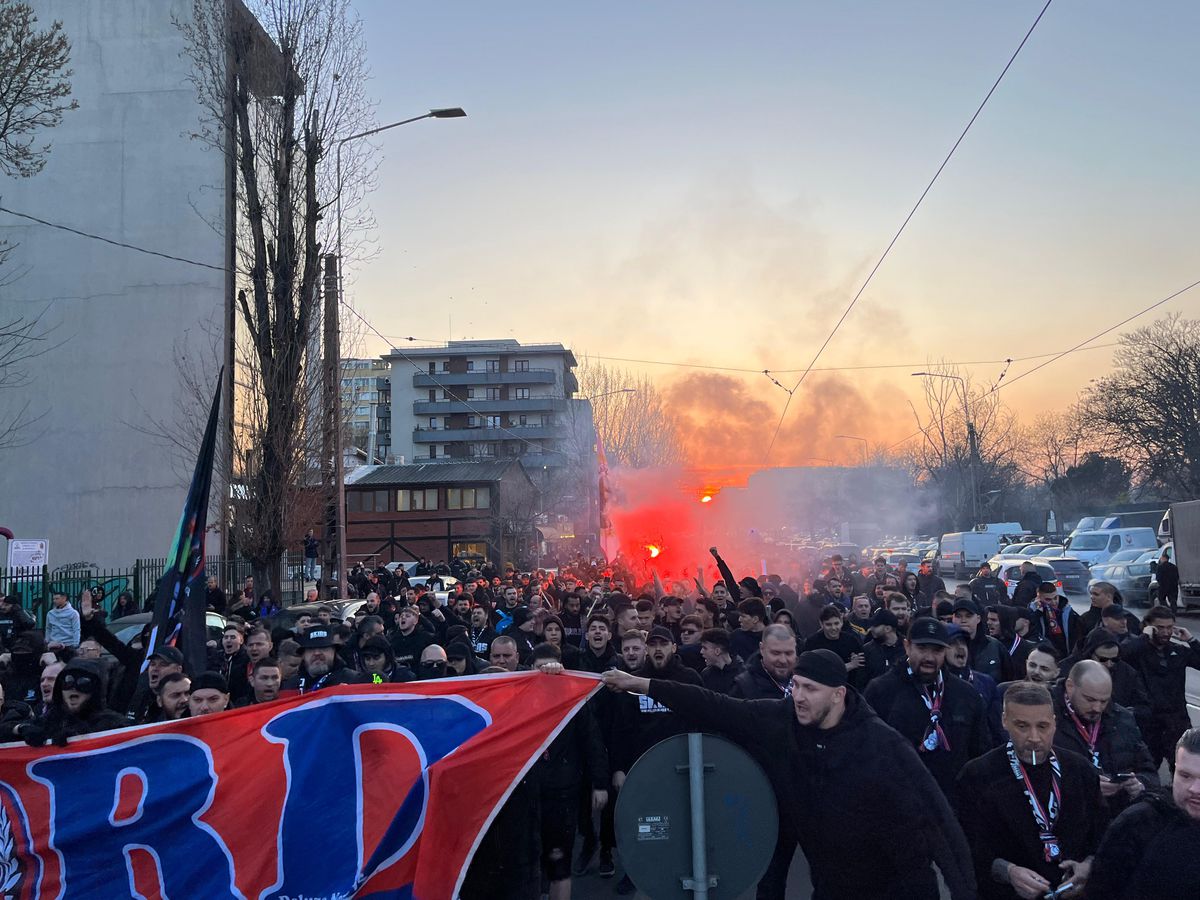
x,y
179,601
608,534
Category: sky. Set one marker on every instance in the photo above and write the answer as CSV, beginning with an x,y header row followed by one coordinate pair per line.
x,y
710,183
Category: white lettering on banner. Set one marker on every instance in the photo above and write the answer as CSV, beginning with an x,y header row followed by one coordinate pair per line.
x,y
650,705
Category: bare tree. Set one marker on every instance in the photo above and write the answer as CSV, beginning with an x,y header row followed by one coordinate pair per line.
x,y
1054,443
633,421
22,339
947,463
34,87
1147,411
281,81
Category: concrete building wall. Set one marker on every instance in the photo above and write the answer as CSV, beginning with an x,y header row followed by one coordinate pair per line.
x,y
122,166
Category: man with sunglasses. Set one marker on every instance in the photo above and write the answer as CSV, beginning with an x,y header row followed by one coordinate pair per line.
x,y
77,707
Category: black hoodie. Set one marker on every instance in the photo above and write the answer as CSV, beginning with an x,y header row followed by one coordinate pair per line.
x,y
858,778
1151,850
60,724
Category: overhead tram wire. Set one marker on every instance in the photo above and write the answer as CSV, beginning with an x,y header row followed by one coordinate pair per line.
x,y
903,225
1082,345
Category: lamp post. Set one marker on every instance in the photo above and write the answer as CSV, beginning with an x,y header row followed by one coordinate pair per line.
x,y
851,437
333,341
972,448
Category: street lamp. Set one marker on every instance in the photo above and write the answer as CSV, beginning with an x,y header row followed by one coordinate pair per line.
x,y
851,437
333,353
972,448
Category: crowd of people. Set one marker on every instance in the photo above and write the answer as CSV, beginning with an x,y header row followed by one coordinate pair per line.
x,y
998,736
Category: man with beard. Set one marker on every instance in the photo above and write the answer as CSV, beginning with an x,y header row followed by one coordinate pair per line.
x,y
837,770
210,694
884,649
1041,666
320,665
640,721
1090,724
572,620
172,694
987,654
958,663
378,663
942,717
720,668
768,672
633,650
1162,654
1153,848
900,607
480,634
1033,815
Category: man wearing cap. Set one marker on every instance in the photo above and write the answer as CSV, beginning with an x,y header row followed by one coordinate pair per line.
x,y
987,654
378,663
958,663
940,715
837,771
768,673
986,588
164,661
320,665
1090,724
210,694
1055,621
1033,815
885,649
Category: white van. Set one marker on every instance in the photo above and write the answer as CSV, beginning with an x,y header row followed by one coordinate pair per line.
x,y
961,553
1094,547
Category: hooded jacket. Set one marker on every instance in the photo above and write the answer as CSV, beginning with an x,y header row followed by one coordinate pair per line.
x,y
93,716
756,683
640,723
1151,850
859,777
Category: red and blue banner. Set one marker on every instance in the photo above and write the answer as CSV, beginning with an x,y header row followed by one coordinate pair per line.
x,y
365,791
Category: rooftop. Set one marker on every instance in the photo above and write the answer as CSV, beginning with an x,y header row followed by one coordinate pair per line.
x,y
464,348
433,473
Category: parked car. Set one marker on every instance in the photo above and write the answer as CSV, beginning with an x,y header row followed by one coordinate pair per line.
x,y
1094,547
342,610
1053,550
1071,572
1031,550
1130,576
912,559
127,628
1010,572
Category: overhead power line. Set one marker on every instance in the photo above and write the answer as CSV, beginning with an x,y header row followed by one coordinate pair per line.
x,y
903,225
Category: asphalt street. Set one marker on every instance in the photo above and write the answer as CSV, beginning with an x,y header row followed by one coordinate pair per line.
x,y
592,887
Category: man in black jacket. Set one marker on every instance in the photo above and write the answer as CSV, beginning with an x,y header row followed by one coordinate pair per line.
x,y
768,672
1167,574
987,589
837,770
987,654
320,666
1090,724
721,668
1027,588
941,716
599,655
1033,815
1162,654
1054,620
1127,687
1153,848
885,649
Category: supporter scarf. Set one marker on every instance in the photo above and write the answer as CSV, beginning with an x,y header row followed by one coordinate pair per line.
x,y
932,697
1045,817
1015,644
1054,626
1089,733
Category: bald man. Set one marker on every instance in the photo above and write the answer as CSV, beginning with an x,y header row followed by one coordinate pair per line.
x,y
1103,733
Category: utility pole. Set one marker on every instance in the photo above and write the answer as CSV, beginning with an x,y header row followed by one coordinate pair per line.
x,y
335,526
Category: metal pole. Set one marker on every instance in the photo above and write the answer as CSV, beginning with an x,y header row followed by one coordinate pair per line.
x,y
699,829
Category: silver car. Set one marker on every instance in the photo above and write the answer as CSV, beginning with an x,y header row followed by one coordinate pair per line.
x,y
1129,572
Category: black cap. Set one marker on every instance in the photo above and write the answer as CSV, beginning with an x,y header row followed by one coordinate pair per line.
x,y
520,616
1113,611
168,655
375,644
822,666
928,631
658,633
968,605
944,608
458,650
885,617
316,636
213,681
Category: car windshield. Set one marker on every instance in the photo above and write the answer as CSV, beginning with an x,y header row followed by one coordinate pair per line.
x,y
1089,542
1125,556
1052,550
1013,549
1033,549
1070,567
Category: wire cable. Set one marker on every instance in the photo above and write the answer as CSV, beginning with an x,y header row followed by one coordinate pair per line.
x,y
904,225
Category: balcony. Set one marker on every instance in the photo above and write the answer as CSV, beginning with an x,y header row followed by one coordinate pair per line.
x,y
508,433
472,407
383,410
530,376
535,461
383,384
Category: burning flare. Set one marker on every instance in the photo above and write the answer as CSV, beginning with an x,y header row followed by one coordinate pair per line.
x,y
654,551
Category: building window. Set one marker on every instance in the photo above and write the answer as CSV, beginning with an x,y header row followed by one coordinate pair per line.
x,y
468,498
417,500
493,393
523,420
493,422
432,395
470,393
433,423
472,422
353,501
521,365
432,368
470,365
522,393
493,365
433,451
367,501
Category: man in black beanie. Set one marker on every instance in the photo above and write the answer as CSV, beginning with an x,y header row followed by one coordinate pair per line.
x,y
837,770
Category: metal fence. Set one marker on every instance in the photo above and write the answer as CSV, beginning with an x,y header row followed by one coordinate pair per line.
x,y
34,587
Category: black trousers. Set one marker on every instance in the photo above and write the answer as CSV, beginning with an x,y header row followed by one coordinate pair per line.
x,y
773,884
587,825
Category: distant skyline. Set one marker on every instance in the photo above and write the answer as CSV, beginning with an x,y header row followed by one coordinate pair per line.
x,y
702,183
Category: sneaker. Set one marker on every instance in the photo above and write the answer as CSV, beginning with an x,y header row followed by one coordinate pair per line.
x,y
584,861
625,886
607,869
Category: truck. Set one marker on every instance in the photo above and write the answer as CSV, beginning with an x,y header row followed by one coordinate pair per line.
x,y
1184,530
961,553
